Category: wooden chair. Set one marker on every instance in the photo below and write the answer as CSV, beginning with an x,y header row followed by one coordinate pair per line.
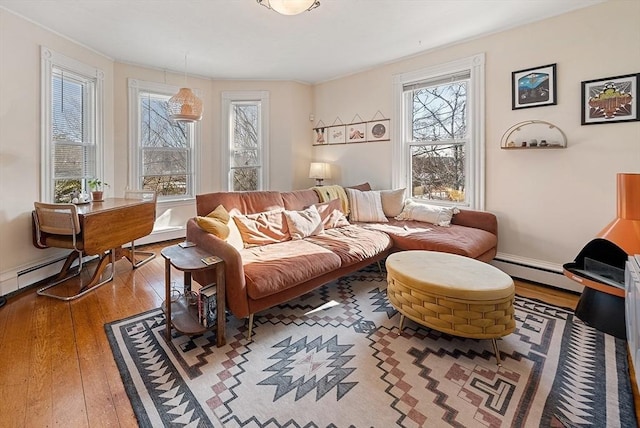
x,y
142,195
58,226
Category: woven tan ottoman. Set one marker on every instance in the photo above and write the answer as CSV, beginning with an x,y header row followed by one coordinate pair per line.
x,y
453,294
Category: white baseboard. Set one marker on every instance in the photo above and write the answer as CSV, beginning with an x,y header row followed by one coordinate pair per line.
x,y
15,279
538,271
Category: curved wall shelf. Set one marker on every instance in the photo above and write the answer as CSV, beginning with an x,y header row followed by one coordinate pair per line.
x,y
533,134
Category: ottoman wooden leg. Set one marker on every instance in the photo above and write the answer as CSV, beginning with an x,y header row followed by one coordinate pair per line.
x,y
497,351
400,326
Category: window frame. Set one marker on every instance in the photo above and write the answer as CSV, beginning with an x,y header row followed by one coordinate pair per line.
x,y
136,87
261,98
475,152
49,60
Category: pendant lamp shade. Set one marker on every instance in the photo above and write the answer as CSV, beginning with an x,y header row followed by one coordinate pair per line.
x,y
185,106
290,7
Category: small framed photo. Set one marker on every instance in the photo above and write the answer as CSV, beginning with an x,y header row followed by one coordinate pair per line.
x,y
337,134
610,100
534,87
378,130
357,132
320,135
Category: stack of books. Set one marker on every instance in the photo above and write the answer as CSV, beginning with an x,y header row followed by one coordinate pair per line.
x,y
207,307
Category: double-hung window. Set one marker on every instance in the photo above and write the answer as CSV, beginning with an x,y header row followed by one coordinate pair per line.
x,y
245,137
162,150
72,125
439,152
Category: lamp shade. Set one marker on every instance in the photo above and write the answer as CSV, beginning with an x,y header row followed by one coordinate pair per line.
x,y
185,106
319,170
291,7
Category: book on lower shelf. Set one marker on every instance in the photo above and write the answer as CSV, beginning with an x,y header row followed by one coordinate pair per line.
x,y
207,307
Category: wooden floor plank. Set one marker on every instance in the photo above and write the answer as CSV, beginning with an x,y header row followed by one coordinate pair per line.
x,y
64,347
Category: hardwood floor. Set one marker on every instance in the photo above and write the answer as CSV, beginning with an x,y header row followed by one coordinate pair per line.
x,y
56,365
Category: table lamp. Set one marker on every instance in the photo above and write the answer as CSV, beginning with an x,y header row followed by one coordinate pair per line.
x,y
319,171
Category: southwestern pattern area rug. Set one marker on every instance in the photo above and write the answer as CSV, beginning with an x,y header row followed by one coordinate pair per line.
x,y
335,358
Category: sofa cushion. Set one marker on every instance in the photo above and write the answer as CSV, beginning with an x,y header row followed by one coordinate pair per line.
x,y
455,239
365,206
270,269
262,228
303,223
331,214
299,199
353,243
433,214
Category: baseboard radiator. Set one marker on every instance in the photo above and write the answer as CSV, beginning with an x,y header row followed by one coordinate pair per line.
x,y
537,271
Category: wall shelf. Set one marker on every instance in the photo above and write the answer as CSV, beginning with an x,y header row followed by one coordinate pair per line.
x,y
533,134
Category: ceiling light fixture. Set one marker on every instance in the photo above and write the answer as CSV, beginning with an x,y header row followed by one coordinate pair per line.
x,y
290,7
185,106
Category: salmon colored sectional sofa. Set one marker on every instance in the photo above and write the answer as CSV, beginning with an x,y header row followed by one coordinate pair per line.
x,y
261,276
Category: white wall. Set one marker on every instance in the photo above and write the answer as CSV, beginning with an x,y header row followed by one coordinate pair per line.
x,y
549,203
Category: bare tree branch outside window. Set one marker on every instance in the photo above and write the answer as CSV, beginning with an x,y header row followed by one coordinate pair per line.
x,y
439,137
245,148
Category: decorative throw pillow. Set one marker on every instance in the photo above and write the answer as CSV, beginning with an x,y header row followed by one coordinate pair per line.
x,y
216,222
262,228
365,206
433,214
331,214
392,202
219,223
304,223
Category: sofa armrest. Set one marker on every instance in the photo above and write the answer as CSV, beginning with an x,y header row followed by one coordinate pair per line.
x,y
477,219
235,285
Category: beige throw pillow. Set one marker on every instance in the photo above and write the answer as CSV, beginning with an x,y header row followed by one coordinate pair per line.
x,y
262,228
304,223
433,214
392,202
365,206
331,214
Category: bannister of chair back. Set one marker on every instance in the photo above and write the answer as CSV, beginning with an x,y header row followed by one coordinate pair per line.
x,y
55,219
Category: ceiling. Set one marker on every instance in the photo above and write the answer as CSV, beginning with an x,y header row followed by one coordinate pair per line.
x,y
239,39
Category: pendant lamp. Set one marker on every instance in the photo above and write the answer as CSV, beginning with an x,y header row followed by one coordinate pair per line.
x,y
185,106
290,7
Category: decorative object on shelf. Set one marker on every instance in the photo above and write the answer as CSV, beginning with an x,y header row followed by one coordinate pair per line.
x,y
337,132
96,185
610,100
290,7
319,171
185,106
533,134
533,87
357,130
378,130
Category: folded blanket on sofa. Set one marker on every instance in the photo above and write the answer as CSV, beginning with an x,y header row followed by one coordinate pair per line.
x,y
329,193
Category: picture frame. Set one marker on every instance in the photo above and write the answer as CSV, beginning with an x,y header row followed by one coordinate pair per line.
x,y
610,100
534,87
378,130
357,132
337,134
319,135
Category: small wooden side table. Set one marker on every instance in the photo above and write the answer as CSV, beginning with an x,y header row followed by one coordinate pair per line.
x,y
180,315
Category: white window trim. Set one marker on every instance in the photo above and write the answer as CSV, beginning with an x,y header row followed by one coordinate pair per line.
x,y
135,87
227,98
476,148
48,60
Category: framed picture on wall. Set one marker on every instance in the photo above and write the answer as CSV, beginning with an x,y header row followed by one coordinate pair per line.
x,y
357,132
533,87
337,134
610,100
320,135
378,130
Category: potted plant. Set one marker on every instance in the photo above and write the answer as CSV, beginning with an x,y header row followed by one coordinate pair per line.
x,y
97,186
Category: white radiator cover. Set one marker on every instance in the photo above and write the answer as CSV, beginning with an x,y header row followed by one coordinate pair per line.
x,y
538,271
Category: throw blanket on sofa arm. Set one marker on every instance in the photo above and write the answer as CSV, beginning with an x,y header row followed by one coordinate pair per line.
x,y
329,193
